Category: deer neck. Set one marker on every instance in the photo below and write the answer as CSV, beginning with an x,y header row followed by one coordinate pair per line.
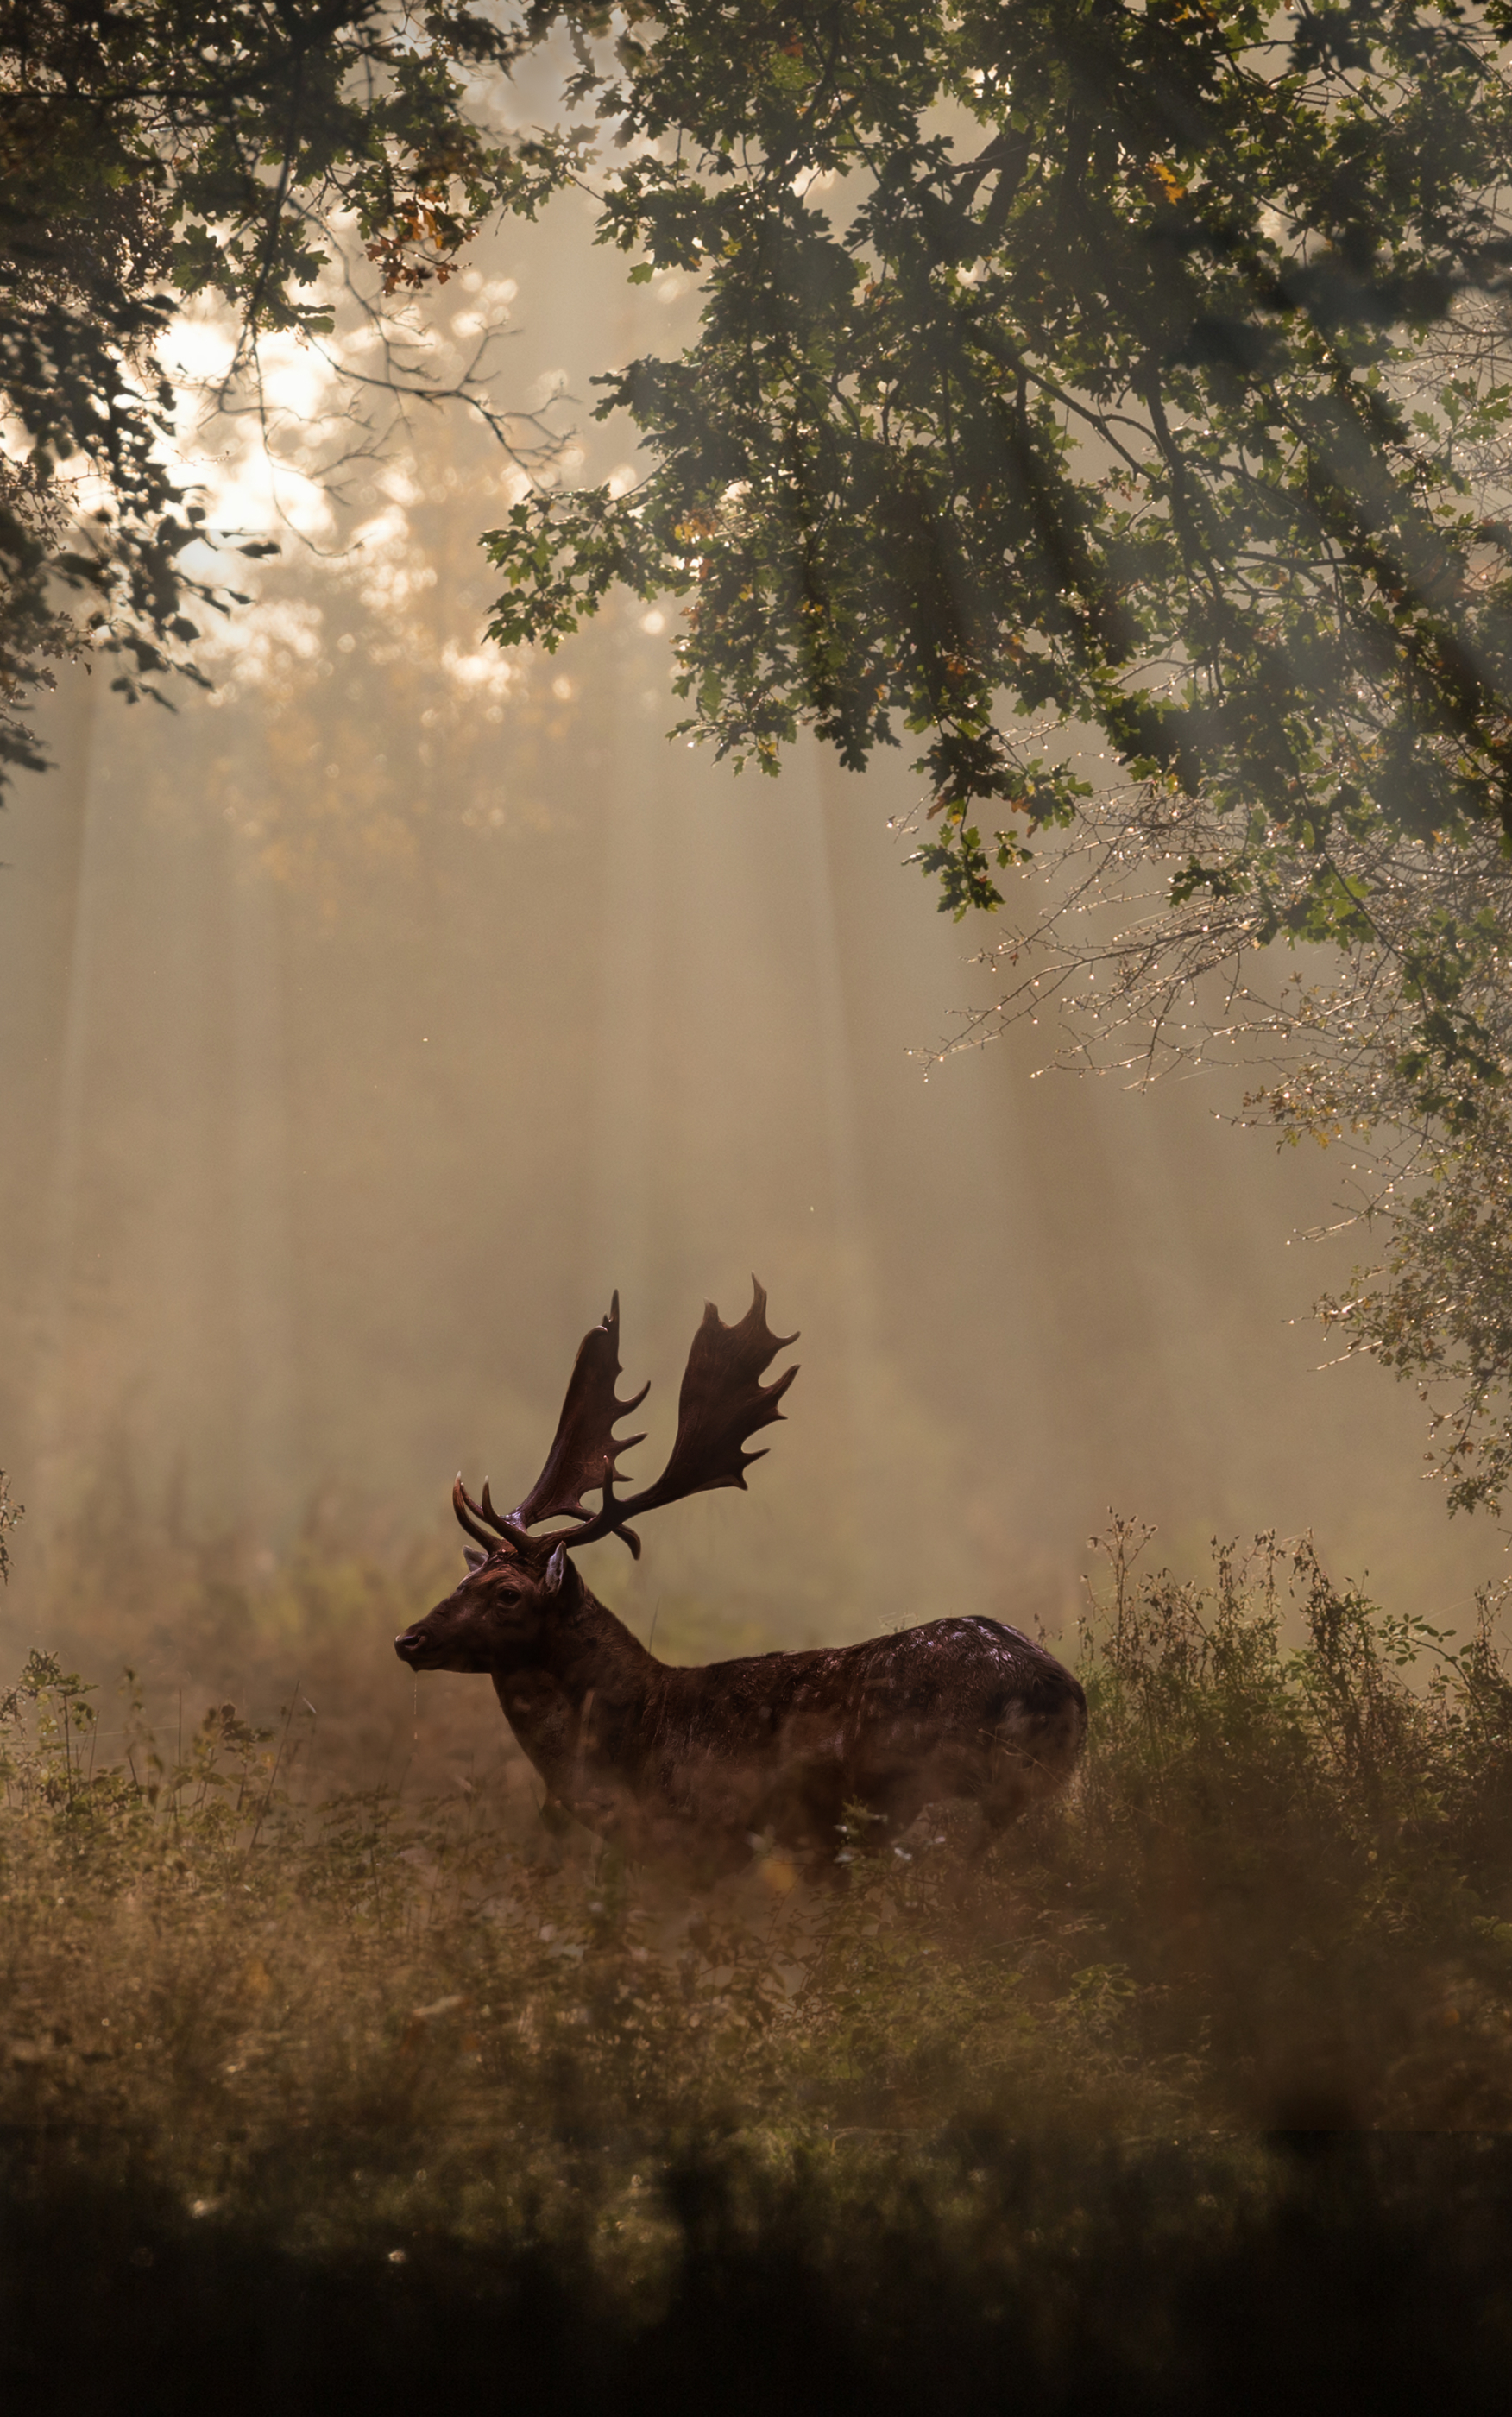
x,y
586,1647
586,1658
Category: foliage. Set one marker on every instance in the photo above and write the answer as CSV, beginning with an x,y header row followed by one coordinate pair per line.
x,y
1130,370
1045,354
1167,2277
1438,1308
360,2052
153,154
10,1513
1136,371
1281,1884
1400,1052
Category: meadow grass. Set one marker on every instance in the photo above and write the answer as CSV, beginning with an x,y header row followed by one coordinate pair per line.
x,y
414,2080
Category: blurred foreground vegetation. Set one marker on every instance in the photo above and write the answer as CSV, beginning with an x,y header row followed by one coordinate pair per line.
x,y
1196,2083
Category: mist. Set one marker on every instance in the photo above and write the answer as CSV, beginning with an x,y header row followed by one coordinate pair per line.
x,y
367,1022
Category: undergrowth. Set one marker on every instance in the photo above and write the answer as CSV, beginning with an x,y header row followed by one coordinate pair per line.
x,y
1276,1907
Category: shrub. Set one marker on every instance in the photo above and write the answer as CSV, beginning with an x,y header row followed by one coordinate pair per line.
x,y
359,2030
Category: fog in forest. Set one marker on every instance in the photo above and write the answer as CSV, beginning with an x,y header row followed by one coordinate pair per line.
x,y
368,1023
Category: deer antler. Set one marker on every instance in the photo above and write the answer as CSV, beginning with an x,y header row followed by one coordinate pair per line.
x,y
584,1451
722,1403
469,1514
720,1406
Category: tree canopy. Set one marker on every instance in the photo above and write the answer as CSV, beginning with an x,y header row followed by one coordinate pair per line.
x,y
1130,371
1045,367
1045,371
1080,372
152,152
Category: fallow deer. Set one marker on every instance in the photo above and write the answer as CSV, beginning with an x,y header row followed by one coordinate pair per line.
x,y
698,1767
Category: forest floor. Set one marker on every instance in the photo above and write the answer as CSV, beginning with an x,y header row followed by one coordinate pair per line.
x,y
1196,2091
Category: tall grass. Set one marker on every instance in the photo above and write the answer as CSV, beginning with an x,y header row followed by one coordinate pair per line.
x,y
251,2026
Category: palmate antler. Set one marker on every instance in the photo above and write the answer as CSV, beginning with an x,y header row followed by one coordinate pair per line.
x,y
584,1451
720,1405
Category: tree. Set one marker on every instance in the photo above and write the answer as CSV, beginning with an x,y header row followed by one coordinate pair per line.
x,y
1055,375
1080,406
1066,365
1401,1051
151,153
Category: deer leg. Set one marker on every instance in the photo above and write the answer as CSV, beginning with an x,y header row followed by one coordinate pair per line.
x,y
998,1815
873,1817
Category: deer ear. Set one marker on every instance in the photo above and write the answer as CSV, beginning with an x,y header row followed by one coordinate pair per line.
x,y
472,1556
555,1570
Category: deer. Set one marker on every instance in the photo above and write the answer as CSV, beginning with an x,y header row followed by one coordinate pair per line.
x,y
704,1768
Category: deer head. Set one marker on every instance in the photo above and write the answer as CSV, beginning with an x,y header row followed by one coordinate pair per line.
x,y
518,1581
